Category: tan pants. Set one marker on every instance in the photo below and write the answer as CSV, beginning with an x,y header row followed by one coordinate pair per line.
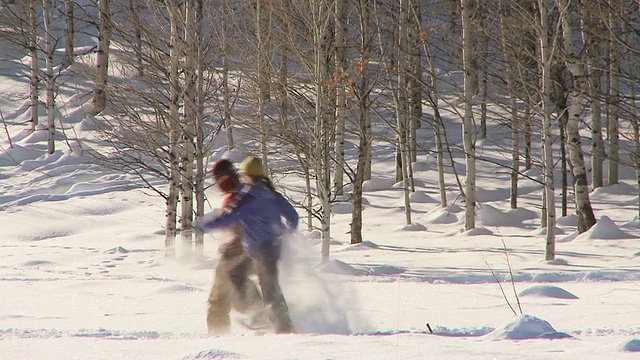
x,y
232,288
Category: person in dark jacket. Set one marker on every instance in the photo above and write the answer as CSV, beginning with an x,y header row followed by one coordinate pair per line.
x,y
231,284
260,211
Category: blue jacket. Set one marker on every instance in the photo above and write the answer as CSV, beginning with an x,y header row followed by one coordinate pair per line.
x,y
259,212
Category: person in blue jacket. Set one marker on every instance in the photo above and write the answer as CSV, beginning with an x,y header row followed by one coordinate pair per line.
x,y
260,213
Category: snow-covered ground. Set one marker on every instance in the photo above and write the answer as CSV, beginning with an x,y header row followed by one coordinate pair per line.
x,y
83,273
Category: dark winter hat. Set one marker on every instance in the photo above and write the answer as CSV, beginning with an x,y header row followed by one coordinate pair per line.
x,y
222,167
225,175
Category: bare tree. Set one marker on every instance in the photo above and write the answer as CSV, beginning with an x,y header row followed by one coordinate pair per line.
x,y
69,6
470,89
196,39
515,132
591,30
546,58
50,77
362,91
262,15
416,36
34,78
586,219
190,119
613,94
175,134
322,44
341,32
102,60
226,89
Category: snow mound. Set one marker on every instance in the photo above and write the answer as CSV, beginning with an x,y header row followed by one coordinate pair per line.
x,y
17,154
547,291
211,354
632,345
491,216
525,327
400,185
616,189
365,245
341,268
413,227
557,261
440,216
633,224
568,238
421,197
477,231
377,184
604,229
570,220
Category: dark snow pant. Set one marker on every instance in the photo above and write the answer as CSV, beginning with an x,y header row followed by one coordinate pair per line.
x,y
231,287
274,301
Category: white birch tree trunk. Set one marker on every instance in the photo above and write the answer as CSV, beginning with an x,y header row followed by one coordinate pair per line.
x,y
34,71
226,90
470,88
50,76
199,125
322,123
586,219
528,159
415,80
175,134
189,53
102,60
593,55
515,142
631,59
484,93
613,134
546,57
402,105
515,121
341,93
635,123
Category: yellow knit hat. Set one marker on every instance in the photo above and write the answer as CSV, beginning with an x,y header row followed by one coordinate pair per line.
x,y
252,167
